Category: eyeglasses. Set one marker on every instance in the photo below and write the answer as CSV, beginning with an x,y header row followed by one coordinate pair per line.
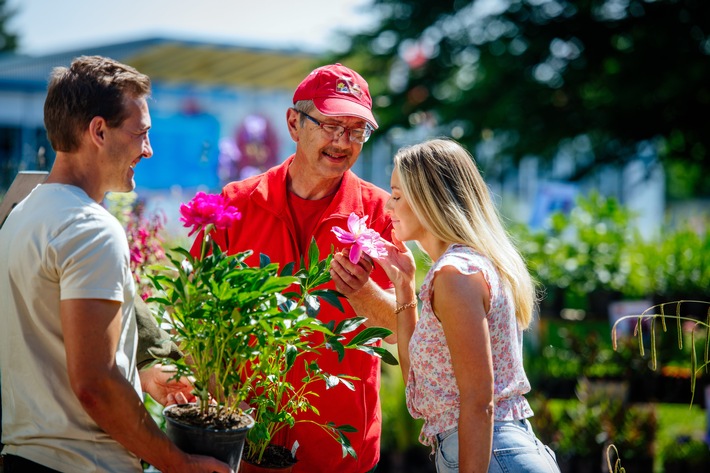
x,y
357,135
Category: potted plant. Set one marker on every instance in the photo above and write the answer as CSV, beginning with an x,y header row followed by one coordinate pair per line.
x,y
241,328
275,402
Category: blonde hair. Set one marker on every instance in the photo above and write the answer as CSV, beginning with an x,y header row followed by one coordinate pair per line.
x,y
441,182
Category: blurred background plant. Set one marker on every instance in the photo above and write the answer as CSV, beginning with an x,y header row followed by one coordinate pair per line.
x,y
594,254
585,250
145,236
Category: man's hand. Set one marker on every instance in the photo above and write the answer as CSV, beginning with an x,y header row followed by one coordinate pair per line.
x,y
349,278
158,381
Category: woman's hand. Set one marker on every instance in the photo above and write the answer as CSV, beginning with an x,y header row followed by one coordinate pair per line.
x,y
400,268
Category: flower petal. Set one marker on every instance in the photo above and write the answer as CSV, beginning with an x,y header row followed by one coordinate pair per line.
x,y
356,224
355,252
342,235
353,221
373,244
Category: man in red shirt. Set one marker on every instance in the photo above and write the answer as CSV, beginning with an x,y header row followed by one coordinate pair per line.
x,y
303,198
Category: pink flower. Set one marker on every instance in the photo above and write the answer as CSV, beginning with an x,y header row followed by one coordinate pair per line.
x,y
364,240
208,209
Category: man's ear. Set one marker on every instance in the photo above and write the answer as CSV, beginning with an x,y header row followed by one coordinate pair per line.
x,y
292,121
97,130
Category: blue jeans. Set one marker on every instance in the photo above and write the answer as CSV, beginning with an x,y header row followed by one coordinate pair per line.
x,y
515,450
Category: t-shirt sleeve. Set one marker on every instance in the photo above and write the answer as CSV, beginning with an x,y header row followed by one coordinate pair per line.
x,y
91,257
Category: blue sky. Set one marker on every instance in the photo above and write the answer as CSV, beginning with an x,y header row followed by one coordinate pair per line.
x,y
47,26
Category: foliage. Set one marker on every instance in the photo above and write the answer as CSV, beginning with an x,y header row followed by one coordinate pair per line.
x,y
578,355
594,77
592,248
595,250
679,264
589,246
672,422
656,318
8,39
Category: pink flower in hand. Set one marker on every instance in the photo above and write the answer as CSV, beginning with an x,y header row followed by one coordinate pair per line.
x,y
364,240
208,209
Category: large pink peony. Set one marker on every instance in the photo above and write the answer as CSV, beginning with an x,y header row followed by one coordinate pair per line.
x,y
208,209
363,239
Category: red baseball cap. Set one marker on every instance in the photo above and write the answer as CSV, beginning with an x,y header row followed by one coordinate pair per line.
x,y
337,91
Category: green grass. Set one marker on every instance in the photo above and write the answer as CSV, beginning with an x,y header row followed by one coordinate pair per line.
x,y
674,421
680,420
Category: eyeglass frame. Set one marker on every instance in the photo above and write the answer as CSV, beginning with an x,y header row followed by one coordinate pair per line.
x,y
367,130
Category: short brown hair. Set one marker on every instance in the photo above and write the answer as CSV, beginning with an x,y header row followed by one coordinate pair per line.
x,y
92,86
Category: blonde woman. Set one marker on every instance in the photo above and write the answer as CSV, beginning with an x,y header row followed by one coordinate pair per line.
x,y
462,358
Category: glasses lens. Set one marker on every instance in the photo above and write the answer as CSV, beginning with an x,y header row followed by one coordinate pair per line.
x,y
360,135
336,130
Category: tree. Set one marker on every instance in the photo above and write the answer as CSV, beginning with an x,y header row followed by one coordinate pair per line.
x,y
594,77
8,40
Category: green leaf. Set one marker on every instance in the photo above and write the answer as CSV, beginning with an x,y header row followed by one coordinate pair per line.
x,y
369,335
277,283
313,253
337,347
288,269
348,325
331,297
345,428
159,300
386,356
312,305
348,384
291,354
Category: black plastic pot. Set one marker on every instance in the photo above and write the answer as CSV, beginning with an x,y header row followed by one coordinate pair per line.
x,y
224,445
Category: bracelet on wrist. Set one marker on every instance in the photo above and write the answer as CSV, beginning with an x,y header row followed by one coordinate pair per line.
x,y
408,305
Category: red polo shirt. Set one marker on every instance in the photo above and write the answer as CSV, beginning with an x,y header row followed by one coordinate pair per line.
x,y
267,227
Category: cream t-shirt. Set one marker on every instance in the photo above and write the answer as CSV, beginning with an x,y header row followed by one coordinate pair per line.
x,y
59,244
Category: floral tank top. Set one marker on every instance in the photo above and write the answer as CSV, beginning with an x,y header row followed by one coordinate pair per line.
x,y
432,392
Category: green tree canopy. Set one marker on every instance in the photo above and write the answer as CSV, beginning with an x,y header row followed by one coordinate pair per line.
x,y
8,40
593,77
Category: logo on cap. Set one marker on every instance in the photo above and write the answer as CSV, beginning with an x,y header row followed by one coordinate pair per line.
x,y
345,85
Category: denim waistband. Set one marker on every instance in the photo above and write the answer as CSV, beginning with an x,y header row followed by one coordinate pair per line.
x,y
521,423
441,436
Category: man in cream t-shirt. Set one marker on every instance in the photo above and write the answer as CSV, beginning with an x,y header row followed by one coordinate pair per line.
x,y
71,392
